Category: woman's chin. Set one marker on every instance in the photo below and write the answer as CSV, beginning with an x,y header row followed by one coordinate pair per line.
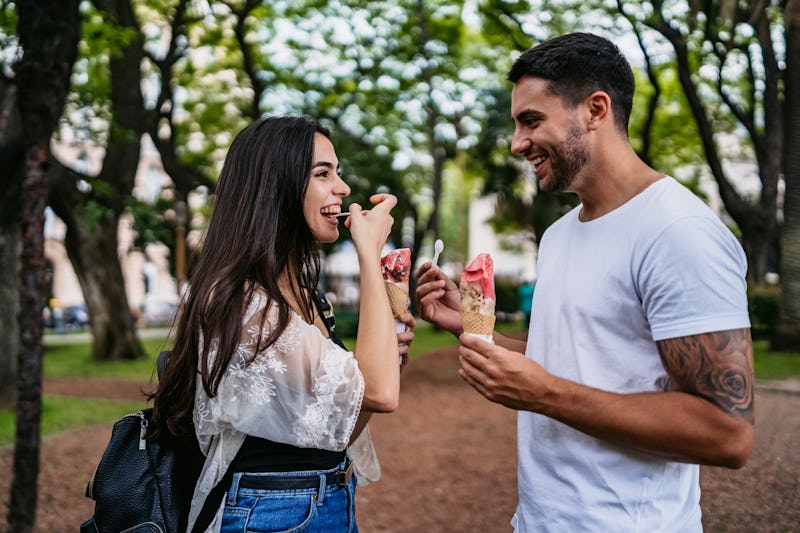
x,y
327,236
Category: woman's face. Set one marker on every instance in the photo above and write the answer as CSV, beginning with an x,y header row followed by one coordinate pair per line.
x,y
325,192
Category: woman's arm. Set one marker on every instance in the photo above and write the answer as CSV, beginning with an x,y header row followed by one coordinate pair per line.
x,y
376,343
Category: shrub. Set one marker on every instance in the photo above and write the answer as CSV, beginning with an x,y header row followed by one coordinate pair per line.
x,y
763,304
507,296
346,323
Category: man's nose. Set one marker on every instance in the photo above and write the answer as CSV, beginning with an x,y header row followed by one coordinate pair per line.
x,y
520,144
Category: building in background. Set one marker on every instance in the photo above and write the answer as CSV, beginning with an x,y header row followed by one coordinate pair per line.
x,y
151,289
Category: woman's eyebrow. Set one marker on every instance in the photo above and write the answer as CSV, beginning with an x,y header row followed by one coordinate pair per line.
x,y
322,164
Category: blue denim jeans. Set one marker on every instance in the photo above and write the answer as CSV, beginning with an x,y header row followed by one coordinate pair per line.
x,y
321,509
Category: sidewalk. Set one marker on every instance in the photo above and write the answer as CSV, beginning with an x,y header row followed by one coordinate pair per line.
x,y
786,386
86,336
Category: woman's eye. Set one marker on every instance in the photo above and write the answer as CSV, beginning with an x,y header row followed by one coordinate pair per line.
x,y
323,174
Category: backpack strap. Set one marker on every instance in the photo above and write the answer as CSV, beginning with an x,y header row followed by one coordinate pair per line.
x,y
211,504
326,312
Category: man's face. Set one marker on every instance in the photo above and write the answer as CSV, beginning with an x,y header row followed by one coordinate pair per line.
x,y
548,135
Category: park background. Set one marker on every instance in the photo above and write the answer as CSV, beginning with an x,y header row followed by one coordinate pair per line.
x,y
116,115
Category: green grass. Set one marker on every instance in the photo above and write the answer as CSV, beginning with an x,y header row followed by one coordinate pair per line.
x,y
774,365
68,360
63,412
427,338
65,360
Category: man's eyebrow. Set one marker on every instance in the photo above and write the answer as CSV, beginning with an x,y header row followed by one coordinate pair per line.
x,y
527,114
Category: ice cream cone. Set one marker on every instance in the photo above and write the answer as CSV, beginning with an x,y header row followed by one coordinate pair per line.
x,y
477,323
398,298
478,297
396,267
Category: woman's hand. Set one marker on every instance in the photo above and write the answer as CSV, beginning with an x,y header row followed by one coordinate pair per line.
x,y
369,229
405,338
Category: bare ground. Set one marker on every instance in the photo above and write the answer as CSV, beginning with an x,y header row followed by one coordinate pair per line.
x,y
449,462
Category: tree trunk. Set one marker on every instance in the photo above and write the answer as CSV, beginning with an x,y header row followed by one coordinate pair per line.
x,y
92,219
22,509
757,221
788,335
9,310
11,160
48,31
94,256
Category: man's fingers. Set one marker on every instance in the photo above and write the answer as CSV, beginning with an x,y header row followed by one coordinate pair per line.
x,y
475,384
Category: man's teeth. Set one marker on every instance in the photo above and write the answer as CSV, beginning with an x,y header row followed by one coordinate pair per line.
x,y
538,160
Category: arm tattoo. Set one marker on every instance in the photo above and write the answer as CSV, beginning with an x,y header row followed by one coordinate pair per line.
x,y
716,366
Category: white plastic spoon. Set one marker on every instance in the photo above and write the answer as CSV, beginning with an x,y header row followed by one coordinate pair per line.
x,y
438,246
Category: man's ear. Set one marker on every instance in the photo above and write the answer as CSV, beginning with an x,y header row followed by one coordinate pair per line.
x,y
599,105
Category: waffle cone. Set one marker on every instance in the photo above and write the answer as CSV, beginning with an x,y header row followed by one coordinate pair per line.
x,y
477,323
398,299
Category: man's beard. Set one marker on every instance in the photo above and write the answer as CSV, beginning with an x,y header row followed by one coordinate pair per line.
x,y
566,160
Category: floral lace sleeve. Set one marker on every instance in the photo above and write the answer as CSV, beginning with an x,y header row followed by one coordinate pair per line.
x,y
303,390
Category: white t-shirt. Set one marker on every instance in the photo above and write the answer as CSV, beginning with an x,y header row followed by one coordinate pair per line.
x,y
660,266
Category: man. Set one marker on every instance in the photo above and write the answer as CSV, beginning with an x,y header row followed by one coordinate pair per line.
x,y
638,363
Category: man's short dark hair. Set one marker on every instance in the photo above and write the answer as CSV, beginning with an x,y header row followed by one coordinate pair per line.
x,y
578,64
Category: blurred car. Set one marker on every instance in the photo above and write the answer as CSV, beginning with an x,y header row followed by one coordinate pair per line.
x,y
159,313
76,316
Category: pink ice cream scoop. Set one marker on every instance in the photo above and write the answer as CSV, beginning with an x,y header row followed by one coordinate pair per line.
x,y
477,296
396,267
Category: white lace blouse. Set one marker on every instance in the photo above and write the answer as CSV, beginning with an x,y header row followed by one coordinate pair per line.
x,y
303,390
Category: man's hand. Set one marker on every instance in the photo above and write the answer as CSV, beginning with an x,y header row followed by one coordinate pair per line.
x,y
502,376
438,299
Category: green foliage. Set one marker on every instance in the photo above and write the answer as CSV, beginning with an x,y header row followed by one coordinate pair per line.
x,y
151,223
763,304
347,325
96,215
677,144
507,296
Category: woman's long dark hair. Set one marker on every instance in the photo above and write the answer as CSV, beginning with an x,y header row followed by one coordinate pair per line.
x,y
257,234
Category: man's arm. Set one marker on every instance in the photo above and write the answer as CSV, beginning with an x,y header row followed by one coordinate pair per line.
x,y
707,418
715,366
509,343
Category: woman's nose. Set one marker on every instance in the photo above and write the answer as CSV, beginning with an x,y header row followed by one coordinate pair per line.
x,y
342,188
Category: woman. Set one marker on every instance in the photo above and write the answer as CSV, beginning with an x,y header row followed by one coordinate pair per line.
x,y
272,394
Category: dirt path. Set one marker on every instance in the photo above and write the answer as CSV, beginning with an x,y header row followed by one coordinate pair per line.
x,y
449,463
